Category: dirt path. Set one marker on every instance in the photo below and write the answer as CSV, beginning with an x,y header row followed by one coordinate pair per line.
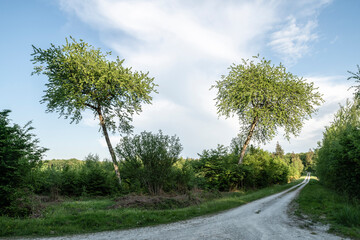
x,y
266,218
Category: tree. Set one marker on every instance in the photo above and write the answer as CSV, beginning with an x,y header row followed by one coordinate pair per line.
x,y
265,97
338,163
296,166
309,159
235,145
19,154
279,151
356,77
80,77
151,155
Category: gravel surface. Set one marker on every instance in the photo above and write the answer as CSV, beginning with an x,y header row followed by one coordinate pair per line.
x,y
266,218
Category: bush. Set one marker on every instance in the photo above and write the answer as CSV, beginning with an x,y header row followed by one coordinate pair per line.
x,y
149,158
96,181
221,171
338,162
262,169
183,176
19,154
75,178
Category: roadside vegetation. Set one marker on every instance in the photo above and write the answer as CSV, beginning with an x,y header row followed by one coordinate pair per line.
x,y
325,205
84,215
56,197
335,198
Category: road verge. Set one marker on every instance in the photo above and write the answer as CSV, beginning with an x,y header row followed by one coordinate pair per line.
x,y
76,217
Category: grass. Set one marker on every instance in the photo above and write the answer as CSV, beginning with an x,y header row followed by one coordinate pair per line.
x,y
324,205
75,217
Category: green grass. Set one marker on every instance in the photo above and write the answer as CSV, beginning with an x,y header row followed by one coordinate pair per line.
x,y
324,205
75,217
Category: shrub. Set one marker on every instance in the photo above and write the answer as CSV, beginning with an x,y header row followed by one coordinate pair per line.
x,y
221,171
19,154
75,178
338,163
150,158
183,176
95,179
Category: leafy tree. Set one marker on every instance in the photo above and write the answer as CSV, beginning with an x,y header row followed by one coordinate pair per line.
x,y
235,145
219,169
261,169
296,166
95,179
338,164
279,151
265,97
81,77
309,160
19,154
151,157
356,77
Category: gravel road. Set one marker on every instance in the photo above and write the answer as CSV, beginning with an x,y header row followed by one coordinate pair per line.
x,y
266,218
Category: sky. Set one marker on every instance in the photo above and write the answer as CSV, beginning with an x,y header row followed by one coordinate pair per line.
x,y
186,46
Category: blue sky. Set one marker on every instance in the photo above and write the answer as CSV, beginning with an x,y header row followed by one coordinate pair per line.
x,y
186,46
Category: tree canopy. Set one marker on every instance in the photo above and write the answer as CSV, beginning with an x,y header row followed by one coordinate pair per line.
x,y
278,150
19,154
265,97
81,77
338,163
356,77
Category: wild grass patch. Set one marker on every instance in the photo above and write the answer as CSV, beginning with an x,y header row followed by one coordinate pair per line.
x,y
95,215
327,206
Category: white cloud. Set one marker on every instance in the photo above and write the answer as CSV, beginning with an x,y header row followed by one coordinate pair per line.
x,y
292,40
214,29
188,45
334,88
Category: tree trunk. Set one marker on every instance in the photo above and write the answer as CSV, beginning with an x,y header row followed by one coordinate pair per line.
x,y
111,150
252,128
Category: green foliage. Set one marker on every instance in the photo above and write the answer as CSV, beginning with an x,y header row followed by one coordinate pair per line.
x,y
262,170
326,205
96,180
76,217
265,97
297,166
81,77
183,176
279,152
220,170
150,158
19,154
356,77
309,160
236,145
338,163
22,203
75,178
